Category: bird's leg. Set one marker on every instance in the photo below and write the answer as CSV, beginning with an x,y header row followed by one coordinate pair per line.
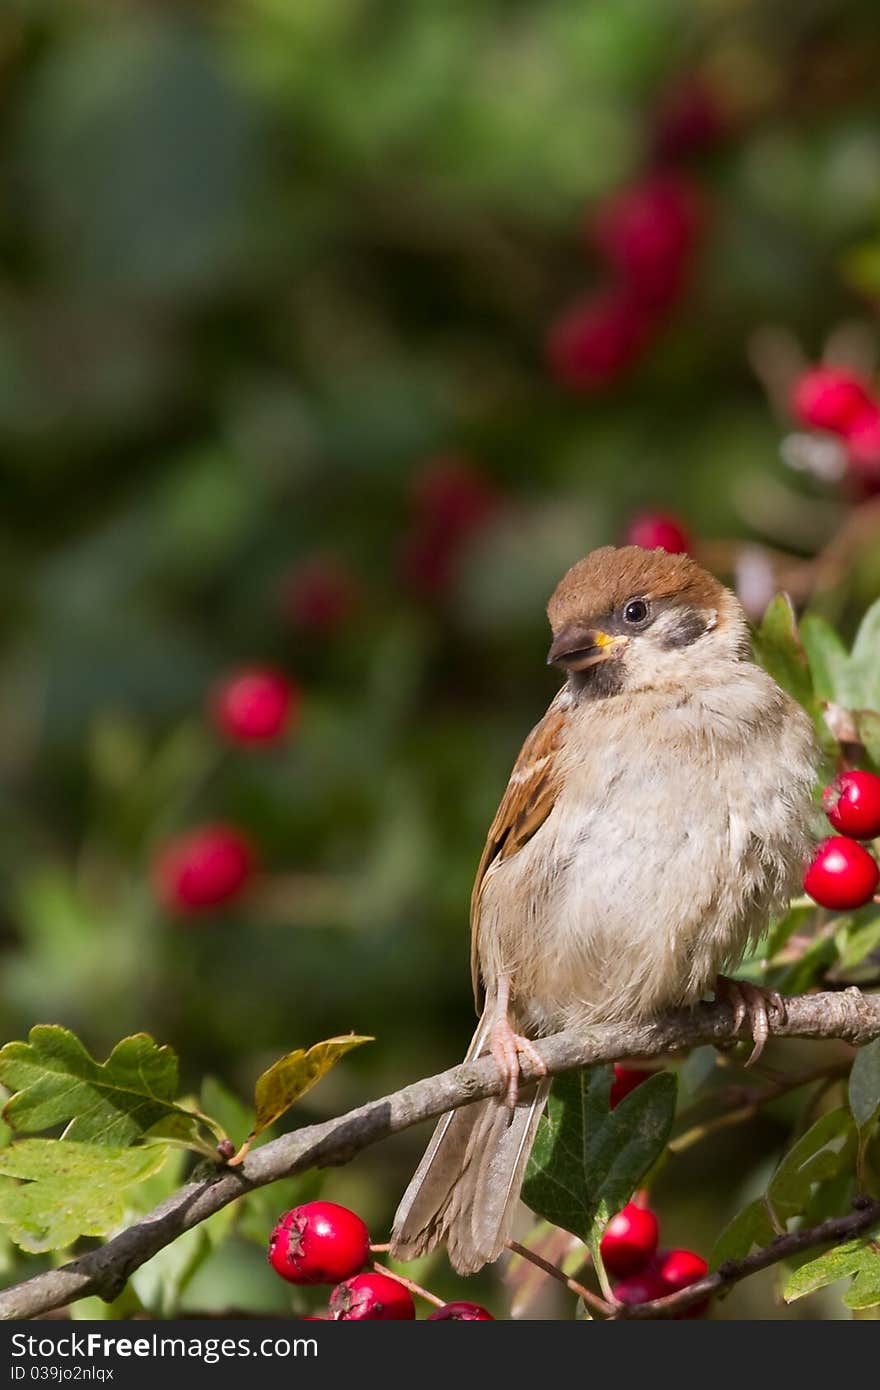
x,y
754,1003
505,1045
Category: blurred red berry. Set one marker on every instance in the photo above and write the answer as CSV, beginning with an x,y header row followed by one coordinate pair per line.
x,y
318,1243
452,497
372,1297
852,804
318,595
626,1079
461,1312
832,398
453,501
630,1240
863,443
598,339
648,233
203,869
841,875
254,706
688,120
658,531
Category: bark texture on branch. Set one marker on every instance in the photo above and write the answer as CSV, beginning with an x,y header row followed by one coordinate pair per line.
x,y
848,1016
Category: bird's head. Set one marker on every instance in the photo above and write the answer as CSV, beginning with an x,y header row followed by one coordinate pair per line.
x,y
627,619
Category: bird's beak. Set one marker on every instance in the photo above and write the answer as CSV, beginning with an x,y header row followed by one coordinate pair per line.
x,y
576,648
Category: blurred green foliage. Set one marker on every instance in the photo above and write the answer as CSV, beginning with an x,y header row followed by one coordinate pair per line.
x,y
260,261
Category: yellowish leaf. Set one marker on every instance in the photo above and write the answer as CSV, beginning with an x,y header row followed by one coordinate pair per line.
x,y
289,1078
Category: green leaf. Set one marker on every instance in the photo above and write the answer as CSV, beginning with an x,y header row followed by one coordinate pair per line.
x,y
864,1085
868,725
290,1077
779,650
865,1290
750,1228
824,1151
826,1269
859,942
68,1189
587,1160
829,662
116,1102
866,658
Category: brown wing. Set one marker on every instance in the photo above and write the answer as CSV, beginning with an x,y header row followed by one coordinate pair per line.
x,y
527,802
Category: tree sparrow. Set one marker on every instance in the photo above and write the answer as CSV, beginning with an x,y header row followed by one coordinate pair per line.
x,y
655,818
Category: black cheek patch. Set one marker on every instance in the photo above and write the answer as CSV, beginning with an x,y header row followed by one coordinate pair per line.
x,y
600,681
689,625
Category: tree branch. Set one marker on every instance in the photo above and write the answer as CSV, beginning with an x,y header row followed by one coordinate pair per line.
x,y
838,1229
848,1016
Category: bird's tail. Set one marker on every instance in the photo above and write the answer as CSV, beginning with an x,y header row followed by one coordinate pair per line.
x,y
465,1189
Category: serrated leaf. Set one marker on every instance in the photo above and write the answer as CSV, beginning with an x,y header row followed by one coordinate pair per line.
x,y
825,1150
587,1160
825,1269
829,661
865,659
750,1228
864,1085
290,1077
67,1189
131,1095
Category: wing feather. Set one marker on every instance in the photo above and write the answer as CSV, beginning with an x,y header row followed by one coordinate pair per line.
x,y
527,802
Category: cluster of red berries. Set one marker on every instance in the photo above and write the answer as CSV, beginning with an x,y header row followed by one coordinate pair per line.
x,y
842,874
323,1243
630,1255
840,402
645,236
210,866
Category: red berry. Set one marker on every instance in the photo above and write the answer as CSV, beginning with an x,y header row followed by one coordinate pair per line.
x,y
630,1240
648,233
372,1297
626,1079
641,1287
318,596
254,706
852,804
831,398
203,869
658,531
678,1269
863,443
461,1312
318,1243
596,340
841,874
688,120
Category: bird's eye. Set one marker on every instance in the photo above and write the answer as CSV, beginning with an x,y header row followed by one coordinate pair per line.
x,y
636,611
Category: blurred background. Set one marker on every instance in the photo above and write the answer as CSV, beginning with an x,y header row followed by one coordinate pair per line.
x,y
331,334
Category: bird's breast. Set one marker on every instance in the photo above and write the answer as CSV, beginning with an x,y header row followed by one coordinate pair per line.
x,y
667,846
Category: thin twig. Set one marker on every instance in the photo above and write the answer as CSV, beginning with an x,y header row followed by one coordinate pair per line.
x,y
846,1015
591,1299
410,1284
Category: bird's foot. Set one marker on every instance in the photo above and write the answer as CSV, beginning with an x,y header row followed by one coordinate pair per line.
x,y
754,1003
507,1047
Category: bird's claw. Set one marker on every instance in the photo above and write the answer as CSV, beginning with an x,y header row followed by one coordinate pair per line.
x,y
754,1003
506,1047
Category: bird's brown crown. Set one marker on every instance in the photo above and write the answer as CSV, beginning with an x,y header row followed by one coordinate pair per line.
x,y
606,578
